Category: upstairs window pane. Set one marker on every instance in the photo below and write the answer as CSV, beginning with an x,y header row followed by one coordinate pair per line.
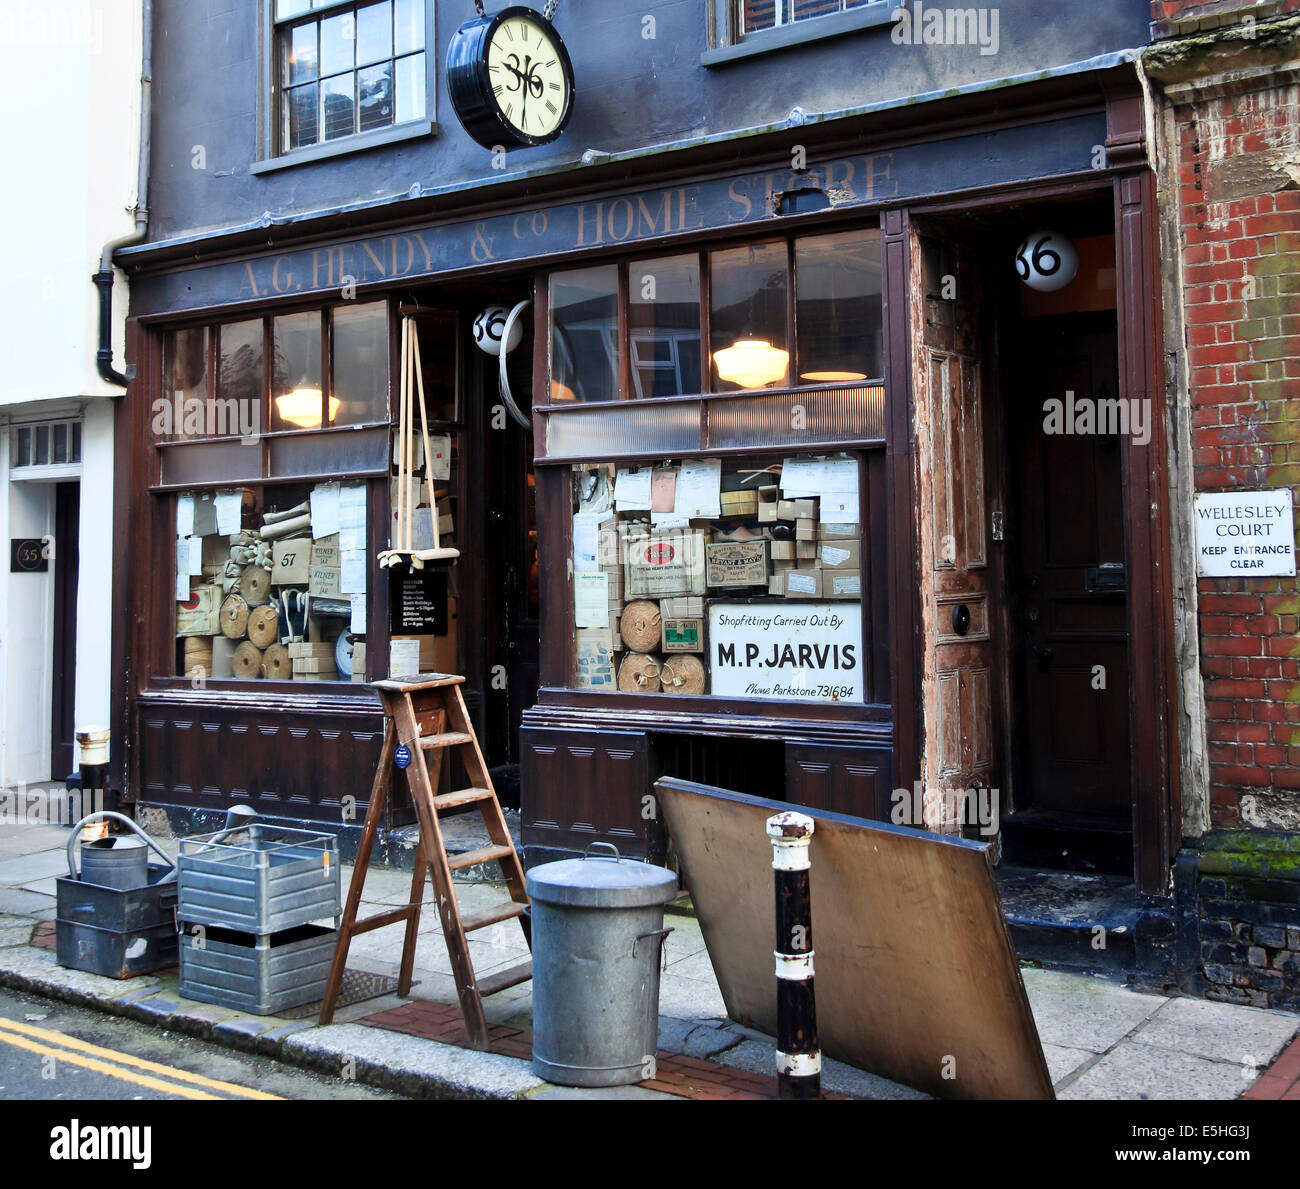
x,y
584,339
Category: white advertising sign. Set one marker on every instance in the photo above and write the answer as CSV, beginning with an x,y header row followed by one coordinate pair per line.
x,y
1245,534
810,652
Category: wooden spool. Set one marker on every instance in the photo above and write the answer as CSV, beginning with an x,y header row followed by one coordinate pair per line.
x,y
234,617
639,674
264,624
683,674
247,661
641,626
276,664
255,585
198,656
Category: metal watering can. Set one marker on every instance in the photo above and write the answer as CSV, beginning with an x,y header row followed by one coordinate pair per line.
x,y
115,862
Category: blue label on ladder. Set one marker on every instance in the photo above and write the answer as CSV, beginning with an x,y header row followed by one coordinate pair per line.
x,y
402,756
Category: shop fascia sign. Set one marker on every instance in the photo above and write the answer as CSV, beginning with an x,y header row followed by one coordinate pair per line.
x,y
614,221
1245,534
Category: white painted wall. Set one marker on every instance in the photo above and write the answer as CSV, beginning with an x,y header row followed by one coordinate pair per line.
x,y
70,108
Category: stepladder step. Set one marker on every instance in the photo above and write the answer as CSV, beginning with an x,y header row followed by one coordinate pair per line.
x,y
446,739
482,854
491,916
499,980
461,797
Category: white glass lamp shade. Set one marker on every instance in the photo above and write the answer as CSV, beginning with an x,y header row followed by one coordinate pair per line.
x,y
752,363
301,407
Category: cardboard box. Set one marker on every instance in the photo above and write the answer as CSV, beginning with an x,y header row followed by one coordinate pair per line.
x,y
833,531
805,530
314,666
291,562
841,584
839,555
325,552
768,498
683,635
805,509
301,650
739,503
784,565
805,550
359,661
737,563
324,581
783,550
803,584
689,607
787,510
216,551
201,614
776,584
668,562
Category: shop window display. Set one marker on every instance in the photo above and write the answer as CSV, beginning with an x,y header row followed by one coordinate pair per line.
x,y
738,578
271,583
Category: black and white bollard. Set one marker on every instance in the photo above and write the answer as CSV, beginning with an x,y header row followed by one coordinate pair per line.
x,y
798,1059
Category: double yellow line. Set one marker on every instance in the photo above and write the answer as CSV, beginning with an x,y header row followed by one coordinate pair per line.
x,y
122,1066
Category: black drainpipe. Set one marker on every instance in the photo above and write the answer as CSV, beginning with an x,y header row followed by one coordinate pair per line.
x,y
104,278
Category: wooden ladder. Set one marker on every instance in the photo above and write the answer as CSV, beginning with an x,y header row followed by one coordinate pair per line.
x,y
426,713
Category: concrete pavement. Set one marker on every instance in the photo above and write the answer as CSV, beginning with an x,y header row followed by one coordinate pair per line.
x,y
1101,1040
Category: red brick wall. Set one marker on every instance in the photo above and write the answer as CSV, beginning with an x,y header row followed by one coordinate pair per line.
x,y
1169,18
1242,297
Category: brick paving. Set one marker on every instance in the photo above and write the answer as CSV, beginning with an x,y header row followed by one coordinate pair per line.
x,y
686,1077
1281,1080
43,936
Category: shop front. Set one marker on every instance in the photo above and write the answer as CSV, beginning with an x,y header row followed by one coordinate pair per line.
x,y
787,518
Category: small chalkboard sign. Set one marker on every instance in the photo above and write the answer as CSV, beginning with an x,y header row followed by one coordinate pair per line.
x,y
28,555
418,603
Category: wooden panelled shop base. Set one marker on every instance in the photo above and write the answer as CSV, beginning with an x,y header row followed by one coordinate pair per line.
x,y
915,974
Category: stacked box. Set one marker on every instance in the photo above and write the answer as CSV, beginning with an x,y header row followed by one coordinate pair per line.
x,y
739,503
737,563
683,635
313,661
768,499
666,562
691,607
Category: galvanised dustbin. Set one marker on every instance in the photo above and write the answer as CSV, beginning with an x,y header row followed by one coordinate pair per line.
x,y
597,939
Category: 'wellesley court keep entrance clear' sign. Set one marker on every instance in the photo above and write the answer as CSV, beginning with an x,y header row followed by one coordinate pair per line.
x,y
806,651
1245,534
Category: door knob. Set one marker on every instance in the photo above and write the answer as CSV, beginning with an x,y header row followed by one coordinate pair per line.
x,y
1044,657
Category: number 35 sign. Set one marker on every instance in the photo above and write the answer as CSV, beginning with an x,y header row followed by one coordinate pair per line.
x,y
30,555
1047,261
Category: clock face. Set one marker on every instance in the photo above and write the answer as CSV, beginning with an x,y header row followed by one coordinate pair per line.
x,y
526,70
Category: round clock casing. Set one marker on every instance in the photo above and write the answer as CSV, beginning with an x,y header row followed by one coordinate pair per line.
x,y
471,87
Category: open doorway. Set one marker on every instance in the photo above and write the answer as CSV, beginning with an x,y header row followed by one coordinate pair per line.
x,y
1065,614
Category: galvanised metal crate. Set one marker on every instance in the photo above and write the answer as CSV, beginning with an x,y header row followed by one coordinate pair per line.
x,y
260,974
259,878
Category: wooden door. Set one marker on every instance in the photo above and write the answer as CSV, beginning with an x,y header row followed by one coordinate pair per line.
x,y
1072,577
66,567
953,529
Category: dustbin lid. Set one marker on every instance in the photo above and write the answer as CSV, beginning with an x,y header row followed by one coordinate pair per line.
x,y
601,881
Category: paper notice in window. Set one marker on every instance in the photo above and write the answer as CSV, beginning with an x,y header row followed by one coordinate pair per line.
x,y
325,510
230,513
358,625
591,599
205,516
185,516
440,455
586,541
352,572
352,507
632,490
182,569
699,484
194,551
403,658
354,539
663,490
